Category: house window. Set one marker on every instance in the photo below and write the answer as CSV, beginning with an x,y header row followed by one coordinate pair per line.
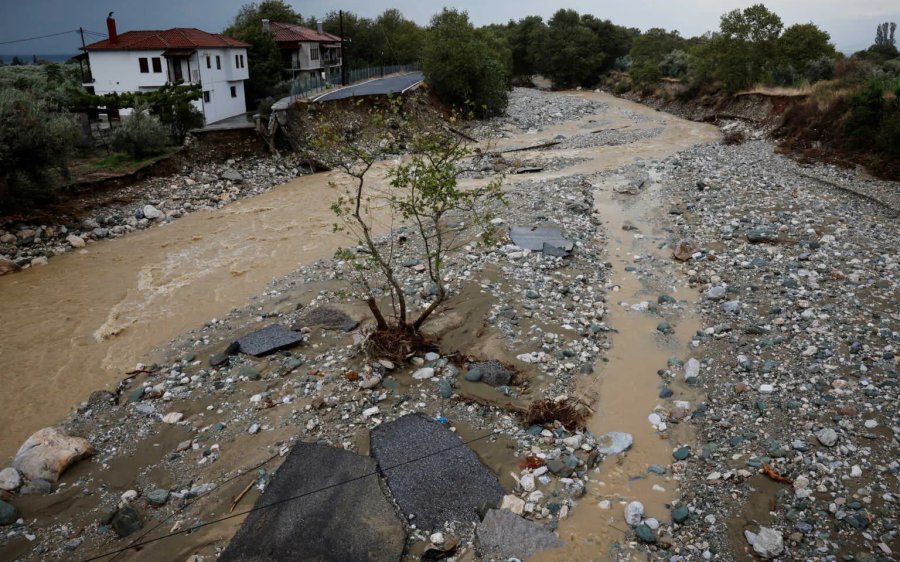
x,y
157,65
242,61
233,92
218,63
208,62
145,67
237,61
206,97
314,52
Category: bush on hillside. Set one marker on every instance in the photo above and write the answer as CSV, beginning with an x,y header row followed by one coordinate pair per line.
x,y
35,145
140,134
462,67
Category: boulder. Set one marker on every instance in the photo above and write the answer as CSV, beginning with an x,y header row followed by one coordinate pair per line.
x,y
493,373
684,249
503,535
152,213
75,241
268,340
8,266
49,452
8,513
767,543
10,479
614,442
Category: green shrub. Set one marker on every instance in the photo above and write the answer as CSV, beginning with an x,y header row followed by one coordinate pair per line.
x,y
819,69
35,145
140,134
462,67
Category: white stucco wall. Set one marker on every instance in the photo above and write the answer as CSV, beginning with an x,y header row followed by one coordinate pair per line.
x,y
218,82
119,71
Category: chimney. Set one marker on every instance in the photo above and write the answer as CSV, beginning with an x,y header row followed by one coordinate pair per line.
x,y
319,26
265,25
111,30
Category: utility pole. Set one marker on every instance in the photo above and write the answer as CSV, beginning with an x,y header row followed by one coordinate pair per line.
x,y
343,50
81,31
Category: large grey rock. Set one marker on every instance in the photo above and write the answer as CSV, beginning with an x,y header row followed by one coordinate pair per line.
x,y
268,340
48,453
614,442
328,318
432,475
504,535
827,436
151,212
493,373
9,479
537,238
349,519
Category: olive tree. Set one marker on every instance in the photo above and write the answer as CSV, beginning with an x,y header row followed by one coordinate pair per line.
x,y
422,194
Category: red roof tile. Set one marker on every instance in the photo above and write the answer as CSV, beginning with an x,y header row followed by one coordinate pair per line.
x,y
289,32
177,37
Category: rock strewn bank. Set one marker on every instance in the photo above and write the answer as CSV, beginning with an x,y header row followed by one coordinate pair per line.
x,y
147,203
799,431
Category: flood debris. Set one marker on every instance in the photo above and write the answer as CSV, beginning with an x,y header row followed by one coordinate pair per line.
x,y
343,514
504,535
268,340
449,483
327,318
569,412
546,239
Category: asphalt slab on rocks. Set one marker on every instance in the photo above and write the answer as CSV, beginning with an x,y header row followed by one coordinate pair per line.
x,y
351,519
448,483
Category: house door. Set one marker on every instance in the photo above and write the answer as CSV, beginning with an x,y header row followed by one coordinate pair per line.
x,y
176,70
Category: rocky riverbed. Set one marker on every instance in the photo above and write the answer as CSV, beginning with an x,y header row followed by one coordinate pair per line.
x,y
777,417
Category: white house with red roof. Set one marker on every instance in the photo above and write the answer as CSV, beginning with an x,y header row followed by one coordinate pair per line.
x,y
307,53
143,61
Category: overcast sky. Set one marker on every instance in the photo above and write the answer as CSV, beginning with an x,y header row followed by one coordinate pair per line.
x,y
851,23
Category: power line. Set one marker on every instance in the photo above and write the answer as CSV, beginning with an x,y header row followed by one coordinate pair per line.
x,y
40,37
279,502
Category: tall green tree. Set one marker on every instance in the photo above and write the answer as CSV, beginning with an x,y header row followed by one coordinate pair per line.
x,y
649,51
264,60
570,52
525,37
462,67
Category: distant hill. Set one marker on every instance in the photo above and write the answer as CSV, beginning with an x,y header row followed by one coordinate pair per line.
x,y
29,58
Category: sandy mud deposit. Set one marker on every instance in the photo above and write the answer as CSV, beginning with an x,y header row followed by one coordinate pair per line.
x,y
767,347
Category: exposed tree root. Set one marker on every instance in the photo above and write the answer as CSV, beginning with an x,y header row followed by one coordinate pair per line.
x,y
399,344
571,413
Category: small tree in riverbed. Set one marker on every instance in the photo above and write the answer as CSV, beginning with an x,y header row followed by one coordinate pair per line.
x,y
423,192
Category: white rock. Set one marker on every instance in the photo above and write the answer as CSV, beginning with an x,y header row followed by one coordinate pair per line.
x,y
766,389
10,479
432,356
75,241
768,543
513,503
130,495
173,417
871,424
48,453
574,441
370,381
423,373
692,369
614,442
437,538
827,436
369,412
526,481
604,504
855,471
634,512
152,212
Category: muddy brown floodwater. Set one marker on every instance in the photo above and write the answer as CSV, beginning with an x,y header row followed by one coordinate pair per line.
x,y
79,323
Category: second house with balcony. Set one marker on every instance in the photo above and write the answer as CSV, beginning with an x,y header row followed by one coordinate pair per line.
x,y
143,61
307,54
